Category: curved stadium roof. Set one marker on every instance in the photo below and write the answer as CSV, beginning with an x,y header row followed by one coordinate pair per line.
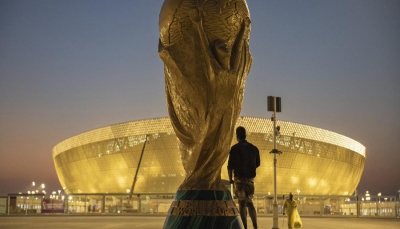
x,y
105,160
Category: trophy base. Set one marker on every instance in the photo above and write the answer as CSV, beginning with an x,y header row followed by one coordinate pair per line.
x,y
198,209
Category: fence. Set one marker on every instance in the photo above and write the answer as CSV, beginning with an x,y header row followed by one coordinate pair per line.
x,y
308,205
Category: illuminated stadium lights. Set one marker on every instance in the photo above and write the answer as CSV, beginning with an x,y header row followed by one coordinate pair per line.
x,y
334,166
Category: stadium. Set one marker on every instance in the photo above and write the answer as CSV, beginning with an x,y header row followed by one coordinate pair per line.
x,y
143,156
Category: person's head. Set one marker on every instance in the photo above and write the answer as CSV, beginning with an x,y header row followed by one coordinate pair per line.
x,y
290,196
241,133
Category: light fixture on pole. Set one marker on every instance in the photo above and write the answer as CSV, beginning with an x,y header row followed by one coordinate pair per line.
x,y
274,105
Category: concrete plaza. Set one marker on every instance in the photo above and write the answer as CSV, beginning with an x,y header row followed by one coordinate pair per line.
x,y
157,221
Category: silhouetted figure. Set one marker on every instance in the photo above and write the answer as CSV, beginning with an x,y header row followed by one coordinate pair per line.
x,y
244,158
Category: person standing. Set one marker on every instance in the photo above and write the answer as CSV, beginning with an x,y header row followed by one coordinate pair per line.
x,y
244,159
290,209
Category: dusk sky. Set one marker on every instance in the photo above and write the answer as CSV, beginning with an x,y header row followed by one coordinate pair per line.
x,y
67,67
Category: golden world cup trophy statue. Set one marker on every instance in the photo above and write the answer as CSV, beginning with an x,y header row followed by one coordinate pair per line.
x,y
204,45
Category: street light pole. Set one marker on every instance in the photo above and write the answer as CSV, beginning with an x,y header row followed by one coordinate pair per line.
x,y
274,104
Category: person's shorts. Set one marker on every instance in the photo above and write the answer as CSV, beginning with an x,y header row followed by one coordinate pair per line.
x,y
244,188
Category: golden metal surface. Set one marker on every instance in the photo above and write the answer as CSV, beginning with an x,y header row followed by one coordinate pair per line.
x,y
314,161
205,50
203,207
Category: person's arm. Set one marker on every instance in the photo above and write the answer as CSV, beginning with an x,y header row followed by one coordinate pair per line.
x,y
230,175
230,166
257,158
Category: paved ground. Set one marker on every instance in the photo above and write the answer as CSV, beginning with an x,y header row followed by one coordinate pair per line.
x,y
156,222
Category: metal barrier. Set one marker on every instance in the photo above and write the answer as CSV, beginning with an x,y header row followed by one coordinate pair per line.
x,y
308,205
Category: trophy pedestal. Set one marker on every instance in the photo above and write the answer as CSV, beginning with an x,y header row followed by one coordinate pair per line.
x,y
198,209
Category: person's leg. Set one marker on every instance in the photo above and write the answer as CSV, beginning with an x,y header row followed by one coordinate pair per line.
x,y
241,195
249,188
243,212
290,221
252,213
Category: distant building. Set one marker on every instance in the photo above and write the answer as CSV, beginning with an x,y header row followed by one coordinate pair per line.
x,y
106,160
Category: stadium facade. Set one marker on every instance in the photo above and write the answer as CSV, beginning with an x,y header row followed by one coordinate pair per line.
x,y
143,156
